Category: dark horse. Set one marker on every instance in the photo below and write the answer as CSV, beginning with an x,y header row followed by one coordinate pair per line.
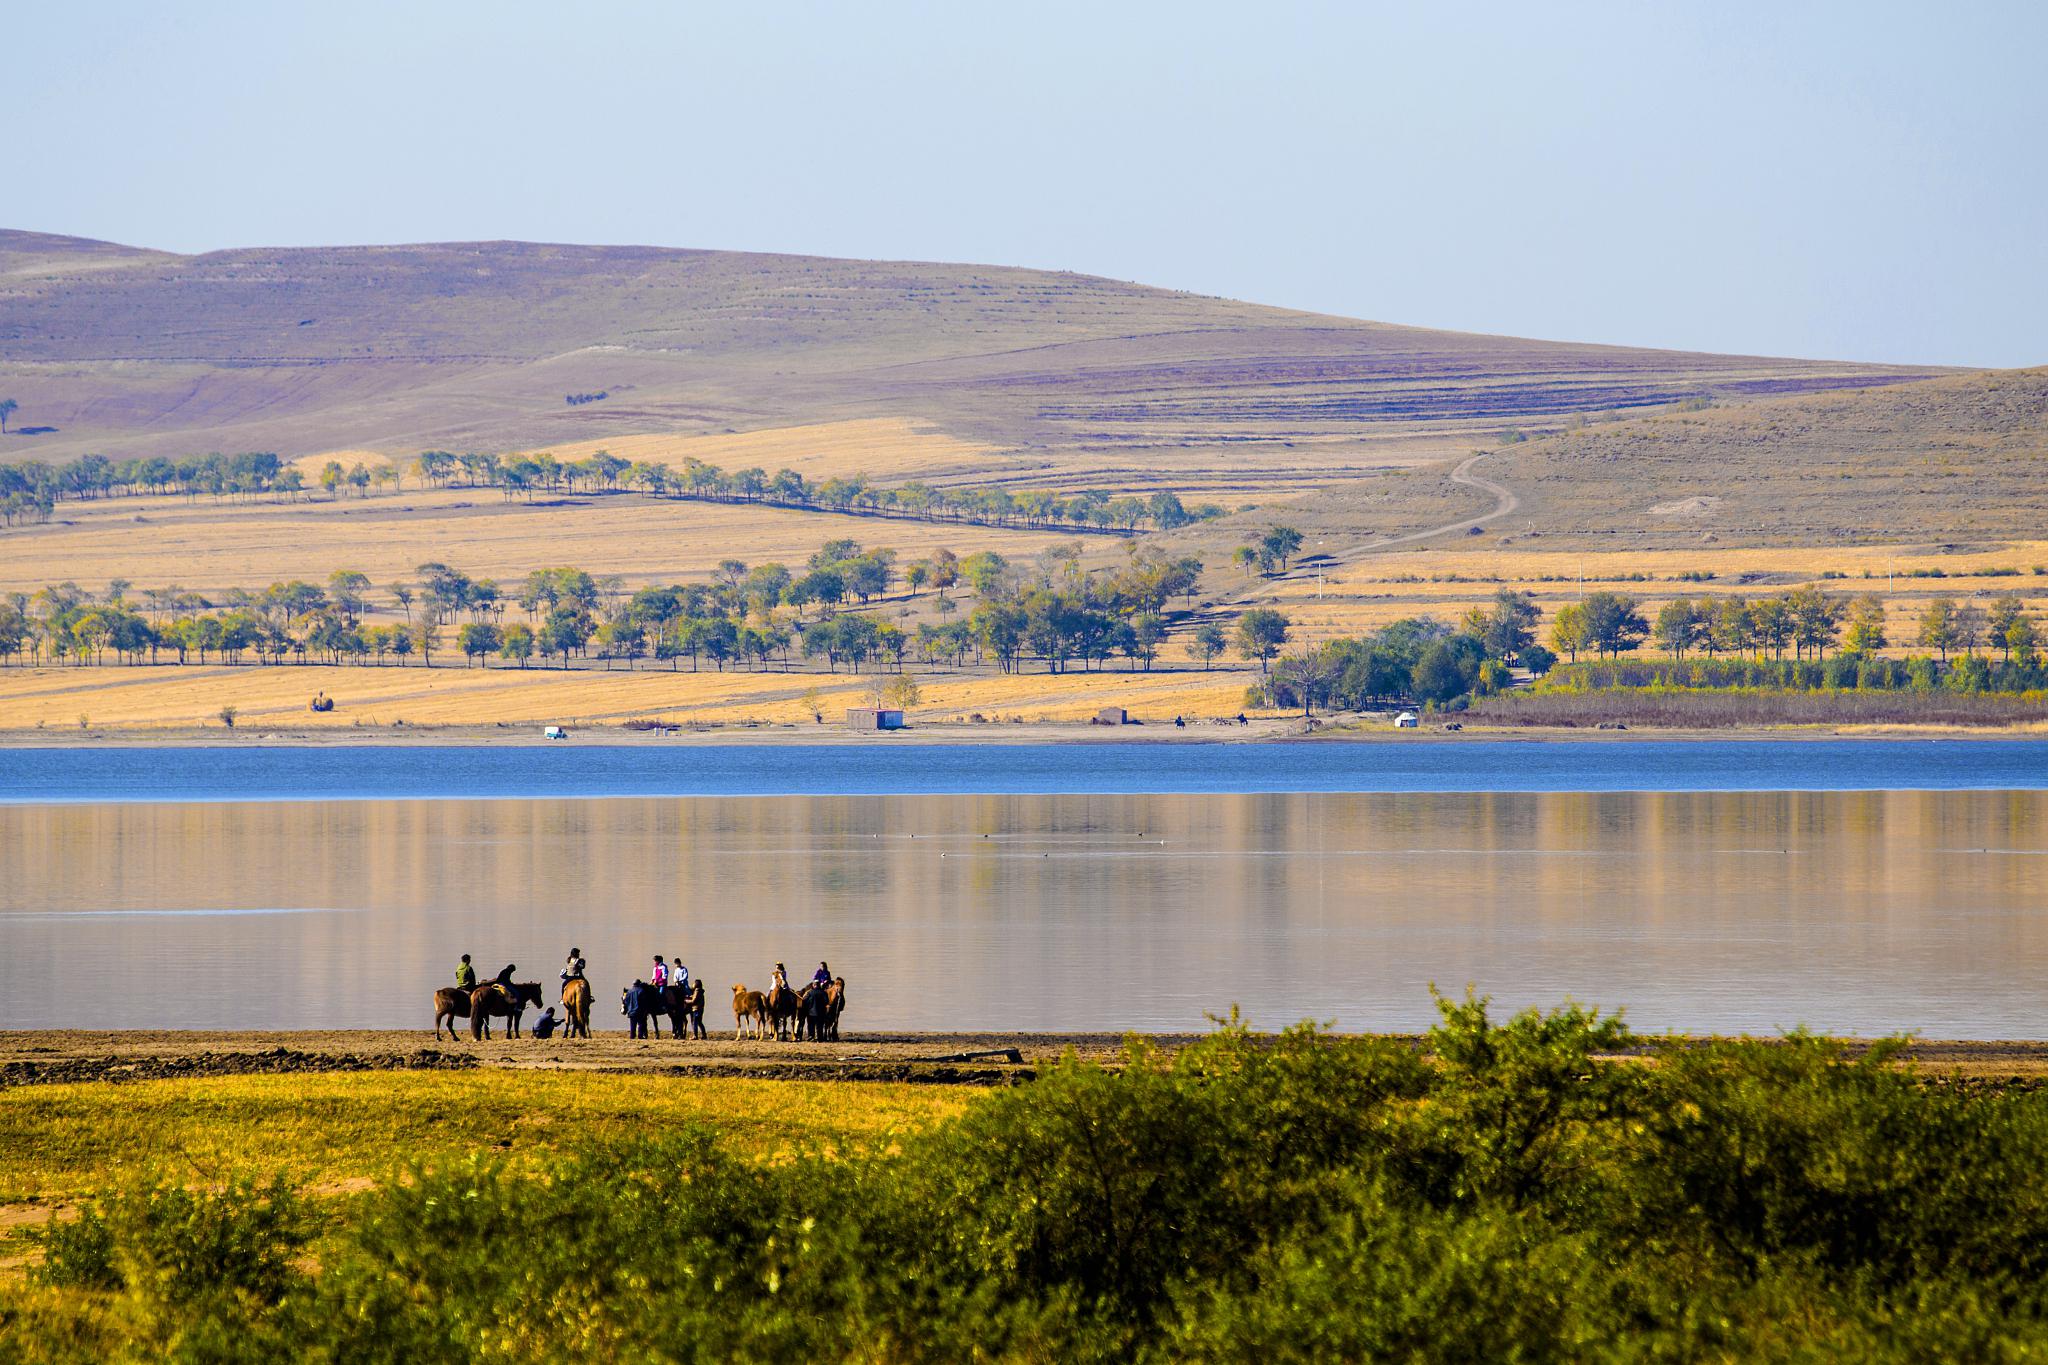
x,y
653,1004
684,1007
782,1011
818,1011
489,1002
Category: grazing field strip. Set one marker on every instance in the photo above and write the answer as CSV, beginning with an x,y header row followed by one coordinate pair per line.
x,y
58,1142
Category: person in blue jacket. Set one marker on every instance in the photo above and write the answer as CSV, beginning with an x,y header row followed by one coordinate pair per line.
x,y
637,1008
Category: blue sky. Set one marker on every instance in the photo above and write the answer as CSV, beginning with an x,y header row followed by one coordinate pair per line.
x,y
1855,181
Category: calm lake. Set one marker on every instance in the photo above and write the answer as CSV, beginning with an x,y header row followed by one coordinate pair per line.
x,y
1859,888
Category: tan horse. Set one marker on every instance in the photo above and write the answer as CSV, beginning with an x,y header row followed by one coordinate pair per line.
x,y
488,1002
748,1008
576,1005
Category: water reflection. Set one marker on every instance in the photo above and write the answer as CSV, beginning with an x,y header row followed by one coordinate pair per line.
x,y
1858,912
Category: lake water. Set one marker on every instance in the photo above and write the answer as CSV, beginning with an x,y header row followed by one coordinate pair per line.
x,y
1851,887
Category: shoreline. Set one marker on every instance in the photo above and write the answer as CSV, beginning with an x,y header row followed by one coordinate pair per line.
x,y
1262,730
30,1057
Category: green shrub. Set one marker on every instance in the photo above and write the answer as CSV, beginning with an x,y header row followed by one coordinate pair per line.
x,y
1503,1190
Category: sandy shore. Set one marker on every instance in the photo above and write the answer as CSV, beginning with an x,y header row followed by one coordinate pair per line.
x,y
1260,730
30,1057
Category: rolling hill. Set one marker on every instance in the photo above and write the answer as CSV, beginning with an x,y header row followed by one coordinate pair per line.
x,y
1952,460
1049,376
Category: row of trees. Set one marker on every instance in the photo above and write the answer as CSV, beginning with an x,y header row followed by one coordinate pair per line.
x,y
1806,621
31,490
754,615
1965,674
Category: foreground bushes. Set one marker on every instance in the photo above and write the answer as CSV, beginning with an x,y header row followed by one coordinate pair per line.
x,y
1505,1196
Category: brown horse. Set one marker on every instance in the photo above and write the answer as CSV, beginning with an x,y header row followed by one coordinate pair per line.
x,y
782,1011
818,1011
576,1005
748,1008
488,1002
450,1003
835,1005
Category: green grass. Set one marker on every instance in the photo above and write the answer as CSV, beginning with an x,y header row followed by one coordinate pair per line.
x,y
58,1142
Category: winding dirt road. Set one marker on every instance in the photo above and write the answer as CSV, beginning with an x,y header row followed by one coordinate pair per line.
x,y
1506,500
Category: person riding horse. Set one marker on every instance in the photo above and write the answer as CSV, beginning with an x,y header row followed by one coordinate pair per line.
x,y
503,981
465,975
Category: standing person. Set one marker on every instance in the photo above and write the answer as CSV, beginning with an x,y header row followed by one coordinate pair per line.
x,y
636,1009
465,975
660,973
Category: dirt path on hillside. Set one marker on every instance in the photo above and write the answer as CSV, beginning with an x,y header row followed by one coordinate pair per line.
x,y
1506,500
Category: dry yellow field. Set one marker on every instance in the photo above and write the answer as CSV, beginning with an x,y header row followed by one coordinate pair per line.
x,y
887,447
1370,591
208,547
269,697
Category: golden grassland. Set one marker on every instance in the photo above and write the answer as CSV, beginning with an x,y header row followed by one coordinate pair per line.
x,y
209,547
337,1133
268,697
891,446
895,446
1370,591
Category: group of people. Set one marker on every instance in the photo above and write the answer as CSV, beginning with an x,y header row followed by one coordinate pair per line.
x,y
643,998
665,973
779,978
549,1021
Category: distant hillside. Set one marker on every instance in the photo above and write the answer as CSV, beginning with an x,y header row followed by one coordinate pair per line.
x,y
1950,460
480,346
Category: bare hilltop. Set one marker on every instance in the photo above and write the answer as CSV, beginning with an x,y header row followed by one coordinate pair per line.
x,y
482,345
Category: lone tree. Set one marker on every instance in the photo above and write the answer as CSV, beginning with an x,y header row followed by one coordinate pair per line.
x,y
1209,642
8,407
1260,633
1280,543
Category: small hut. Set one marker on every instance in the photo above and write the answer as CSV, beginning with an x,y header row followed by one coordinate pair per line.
x,y
1112,715
873,718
